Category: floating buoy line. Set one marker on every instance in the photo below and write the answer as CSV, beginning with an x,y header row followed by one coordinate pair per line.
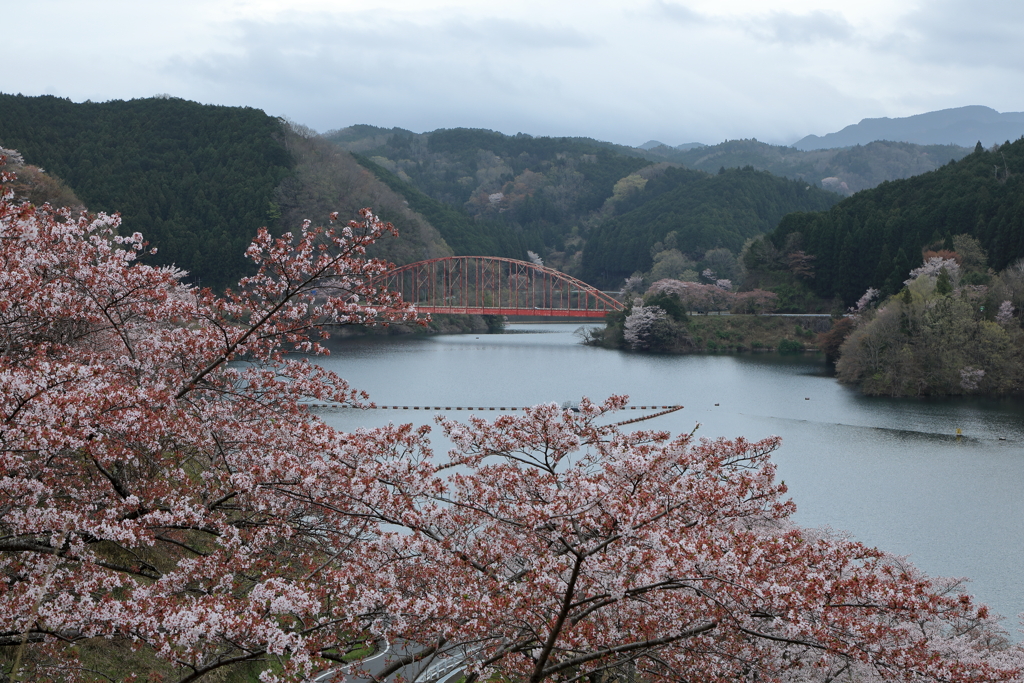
x,y
662,410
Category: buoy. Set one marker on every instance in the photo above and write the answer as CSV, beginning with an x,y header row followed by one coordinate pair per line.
x,y
959,432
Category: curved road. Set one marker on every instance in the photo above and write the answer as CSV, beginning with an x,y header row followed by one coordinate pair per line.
x,y
429,670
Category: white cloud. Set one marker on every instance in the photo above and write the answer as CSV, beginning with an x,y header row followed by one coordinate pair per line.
x,y
814,27
679,13
976,35
673,70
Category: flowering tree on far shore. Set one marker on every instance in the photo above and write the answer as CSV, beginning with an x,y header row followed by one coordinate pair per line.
x,y
640,328
700,298
170,509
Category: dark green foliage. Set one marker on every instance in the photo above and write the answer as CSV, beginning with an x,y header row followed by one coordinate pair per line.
x,y
833,339
705,211
495,323
702,333
196,180
790,346
943,286
670,303
981,195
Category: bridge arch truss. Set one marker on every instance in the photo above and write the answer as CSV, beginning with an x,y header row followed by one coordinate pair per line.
x,y
487,285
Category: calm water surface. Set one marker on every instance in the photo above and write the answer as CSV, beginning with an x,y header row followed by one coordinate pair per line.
x,y
890,472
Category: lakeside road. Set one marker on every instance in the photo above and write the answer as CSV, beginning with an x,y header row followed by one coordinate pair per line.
x,y
428,670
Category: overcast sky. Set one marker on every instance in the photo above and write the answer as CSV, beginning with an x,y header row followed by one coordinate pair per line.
x,y
675,71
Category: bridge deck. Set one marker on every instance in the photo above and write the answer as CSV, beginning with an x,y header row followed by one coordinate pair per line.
x,y
541,312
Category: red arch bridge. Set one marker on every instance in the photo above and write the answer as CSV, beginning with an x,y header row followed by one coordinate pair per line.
x,y
487,285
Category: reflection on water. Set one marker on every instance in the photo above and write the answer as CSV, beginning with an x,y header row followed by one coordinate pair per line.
x,y
890,471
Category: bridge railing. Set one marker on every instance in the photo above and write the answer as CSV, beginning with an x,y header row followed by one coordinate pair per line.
x,y
497,286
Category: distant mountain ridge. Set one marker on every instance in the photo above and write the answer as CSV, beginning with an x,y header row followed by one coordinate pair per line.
x,y
844,170
962,126
651,144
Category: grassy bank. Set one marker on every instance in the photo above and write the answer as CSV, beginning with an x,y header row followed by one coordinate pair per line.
x,y
728,333
754,332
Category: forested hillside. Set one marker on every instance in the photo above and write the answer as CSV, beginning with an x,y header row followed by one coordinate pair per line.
x,y
565,198
495,194
327,179
876,237
466,235
692,212
198,181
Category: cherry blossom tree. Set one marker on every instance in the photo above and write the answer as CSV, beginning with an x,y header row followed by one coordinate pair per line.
x,y
165,488
1005,314
641,324
933,267
755,301
565,548
161,480
633,284
696,297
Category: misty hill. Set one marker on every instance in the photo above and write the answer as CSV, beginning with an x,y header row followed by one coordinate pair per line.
x,y
651,144
841,170
963,126
876,237
199,180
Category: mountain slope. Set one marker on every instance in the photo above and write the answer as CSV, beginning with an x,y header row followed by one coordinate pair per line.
x,y
327,179
198,181
495,194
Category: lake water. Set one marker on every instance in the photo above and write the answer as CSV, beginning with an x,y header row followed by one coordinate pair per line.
x,y
891,472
